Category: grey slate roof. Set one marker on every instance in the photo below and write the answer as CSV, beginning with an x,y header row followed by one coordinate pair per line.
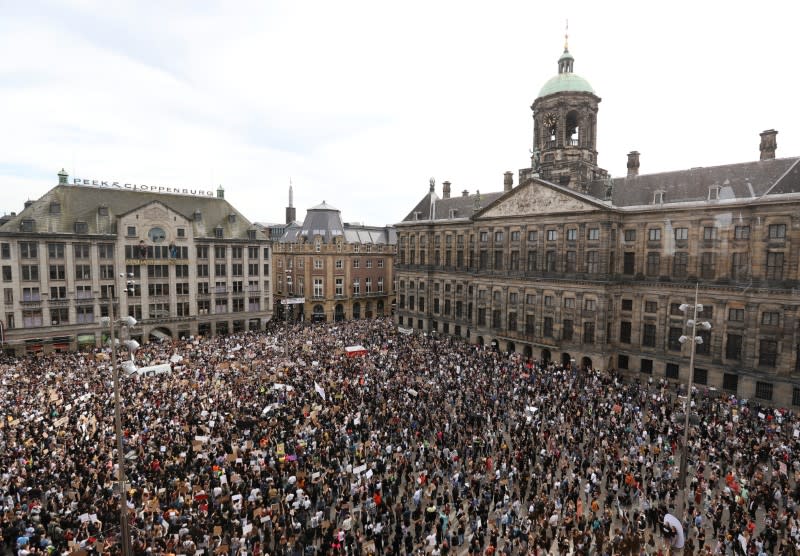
x,y
431,207
326,221
746,180
81,204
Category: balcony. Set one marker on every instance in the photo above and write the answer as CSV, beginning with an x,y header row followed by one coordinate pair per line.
x,y
219,289
59,302
253,289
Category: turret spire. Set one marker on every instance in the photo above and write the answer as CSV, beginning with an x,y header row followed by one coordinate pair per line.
x,y
566,37
291,194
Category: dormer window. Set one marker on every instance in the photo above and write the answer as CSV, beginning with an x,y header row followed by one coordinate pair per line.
x,y
658,197
81,228
197,216
102,210
55,207
232,218
218,232
713,193
453,213
251,234
27,225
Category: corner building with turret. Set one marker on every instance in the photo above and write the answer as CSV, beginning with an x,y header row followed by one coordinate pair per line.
x,y
575,266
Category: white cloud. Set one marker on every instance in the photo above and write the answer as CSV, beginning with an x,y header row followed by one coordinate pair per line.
x,y
361,102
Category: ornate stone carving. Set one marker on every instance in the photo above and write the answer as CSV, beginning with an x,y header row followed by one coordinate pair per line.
x,y
534,199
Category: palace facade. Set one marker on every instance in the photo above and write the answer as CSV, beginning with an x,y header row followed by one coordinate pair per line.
x,y
575,266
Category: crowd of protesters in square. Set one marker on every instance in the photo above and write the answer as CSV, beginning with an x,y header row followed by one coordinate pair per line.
x,y
281,443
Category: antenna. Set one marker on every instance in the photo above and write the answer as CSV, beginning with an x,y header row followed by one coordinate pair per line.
x,y
566,36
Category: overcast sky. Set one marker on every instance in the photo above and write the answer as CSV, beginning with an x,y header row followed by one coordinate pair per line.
x,y
360,103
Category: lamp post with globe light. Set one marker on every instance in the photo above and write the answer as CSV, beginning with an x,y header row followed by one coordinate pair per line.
x,y
132,345
693,340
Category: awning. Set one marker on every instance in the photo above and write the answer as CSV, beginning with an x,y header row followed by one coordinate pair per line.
x,y
160,335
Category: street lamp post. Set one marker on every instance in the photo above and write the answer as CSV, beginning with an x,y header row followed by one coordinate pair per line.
x,y
694,341
123,502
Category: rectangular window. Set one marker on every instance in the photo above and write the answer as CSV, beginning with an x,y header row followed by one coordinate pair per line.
x,y
654,234
237,305
84,314
649,335
572,234
567,330
498,237
569,302
533,235
673,342
647,366
30,272
552,235
220,269
55,250
763,391
58,272
703,347
709,233
237,269
653,263
768,353
627,305
81,250
774,265
28,250
32,318
730,382
593,234
672,371
570,261
318,293
736,315
220,306
592,262
740,265
496,324
777,231
547,331
5,250
548,301
550,261
741,232
157,288
498,260
514,236
484,237
588,332
202,251
625,332
106,271
202,271
182,288
629,263
203,306
680,264
158,271
707,264
622,361
589,305
514,261
105,250
31,294
681,234
700,376
650,306
220,251
531,261
57,292
771,318
630,235
733,347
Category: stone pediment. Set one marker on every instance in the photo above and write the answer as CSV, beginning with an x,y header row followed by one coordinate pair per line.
x,y
537,198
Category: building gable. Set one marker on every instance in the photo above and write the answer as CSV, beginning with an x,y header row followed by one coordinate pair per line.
x,y
536,197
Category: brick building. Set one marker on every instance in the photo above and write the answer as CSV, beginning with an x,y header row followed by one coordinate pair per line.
x,y
333,270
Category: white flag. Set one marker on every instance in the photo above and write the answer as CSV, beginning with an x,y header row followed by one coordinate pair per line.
x,y
320,390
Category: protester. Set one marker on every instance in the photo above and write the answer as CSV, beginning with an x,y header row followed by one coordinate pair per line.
x,y
279,443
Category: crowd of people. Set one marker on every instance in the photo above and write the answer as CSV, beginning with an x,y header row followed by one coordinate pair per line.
x,y
281,443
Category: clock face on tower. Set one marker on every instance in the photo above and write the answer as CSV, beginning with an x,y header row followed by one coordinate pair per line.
x,y
550,120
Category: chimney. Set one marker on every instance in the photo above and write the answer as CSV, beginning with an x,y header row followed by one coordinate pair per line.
x,y
220,192
633,164
28,203
769,144
508,181
62,177
432,184
465,193
445,190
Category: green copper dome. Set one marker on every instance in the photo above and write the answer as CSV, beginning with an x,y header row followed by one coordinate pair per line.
x,y
564,82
